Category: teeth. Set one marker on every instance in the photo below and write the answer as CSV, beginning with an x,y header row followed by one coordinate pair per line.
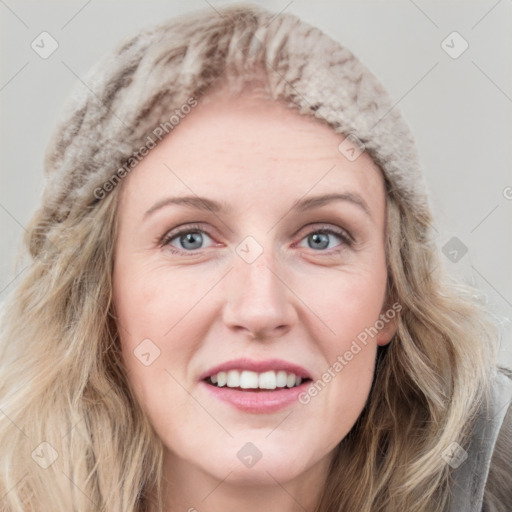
x,y
268,380
252,380
248,380
222,379
233,379
281,379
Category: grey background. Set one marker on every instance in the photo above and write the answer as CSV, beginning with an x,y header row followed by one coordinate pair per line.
x,y
459,109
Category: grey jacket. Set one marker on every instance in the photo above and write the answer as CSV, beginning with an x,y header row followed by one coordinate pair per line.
x,y
483,481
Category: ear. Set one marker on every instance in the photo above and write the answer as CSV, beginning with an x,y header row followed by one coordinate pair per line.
x,y
388,320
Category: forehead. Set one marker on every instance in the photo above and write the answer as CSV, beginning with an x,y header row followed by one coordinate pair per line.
x,y
246,151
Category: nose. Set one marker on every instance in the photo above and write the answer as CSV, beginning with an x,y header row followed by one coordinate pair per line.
x,y
259,302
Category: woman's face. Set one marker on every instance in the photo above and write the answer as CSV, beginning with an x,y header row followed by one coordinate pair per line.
x,y
260,276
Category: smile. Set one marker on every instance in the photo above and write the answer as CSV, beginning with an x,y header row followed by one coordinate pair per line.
x,y
245,379
258,387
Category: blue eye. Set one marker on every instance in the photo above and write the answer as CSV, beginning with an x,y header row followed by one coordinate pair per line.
x,y
189,239
320,239
192,237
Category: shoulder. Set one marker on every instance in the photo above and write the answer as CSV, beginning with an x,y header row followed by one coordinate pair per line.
x,y
482,480
498,488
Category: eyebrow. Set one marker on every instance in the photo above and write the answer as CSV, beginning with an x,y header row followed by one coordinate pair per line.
x,y
203,203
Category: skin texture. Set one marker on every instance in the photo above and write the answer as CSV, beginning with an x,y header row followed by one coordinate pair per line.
x,y
302,303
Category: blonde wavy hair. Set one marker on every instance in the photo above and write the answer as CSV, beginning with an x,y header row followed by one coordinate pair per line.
x,y
62,381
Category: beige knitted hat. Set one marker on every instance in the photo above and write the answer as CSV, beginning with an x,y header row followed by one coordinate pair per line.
x,y
132,94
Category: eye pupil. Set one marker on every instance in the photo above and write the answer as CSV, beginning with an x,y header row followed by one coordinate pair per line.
x,y
321,238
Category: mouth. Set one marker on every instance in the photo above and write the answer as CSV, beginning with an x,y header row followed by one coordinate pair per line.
x,y
246,380
258,387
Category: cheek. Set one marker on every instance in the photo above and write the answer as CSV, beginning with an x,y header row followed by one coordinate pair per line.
x,y
348,308
158,337
347,390
150,304
141,322
345,304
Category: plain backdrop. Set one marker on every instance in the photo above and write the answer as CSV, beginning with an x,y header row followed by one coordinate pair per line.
x,y
459,107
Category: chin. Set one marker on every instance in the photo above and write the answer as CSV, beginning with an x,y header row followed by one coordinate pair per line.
x,y
262,473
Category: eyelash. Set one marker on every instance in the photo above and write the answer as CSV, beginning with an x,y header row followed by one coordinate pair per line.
x,y
165,241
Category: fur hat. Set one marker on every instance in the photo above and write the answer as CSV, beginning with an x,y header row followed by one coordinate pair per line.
x,y
132,93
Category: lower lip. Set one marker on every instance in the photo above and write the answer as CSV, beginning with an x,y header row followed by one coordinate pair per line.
x,y
259,402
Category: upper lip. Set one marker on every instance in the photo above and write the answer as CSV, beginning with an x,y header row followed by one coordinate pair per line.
x,y
257,366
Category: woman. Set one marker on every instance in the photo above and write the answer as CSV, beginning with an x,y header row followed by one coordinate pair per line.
x,y
307,352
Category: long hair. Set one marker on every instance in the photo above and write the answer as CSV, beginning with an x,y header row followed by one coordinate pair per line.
x,y
64,393
72,434
429,383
